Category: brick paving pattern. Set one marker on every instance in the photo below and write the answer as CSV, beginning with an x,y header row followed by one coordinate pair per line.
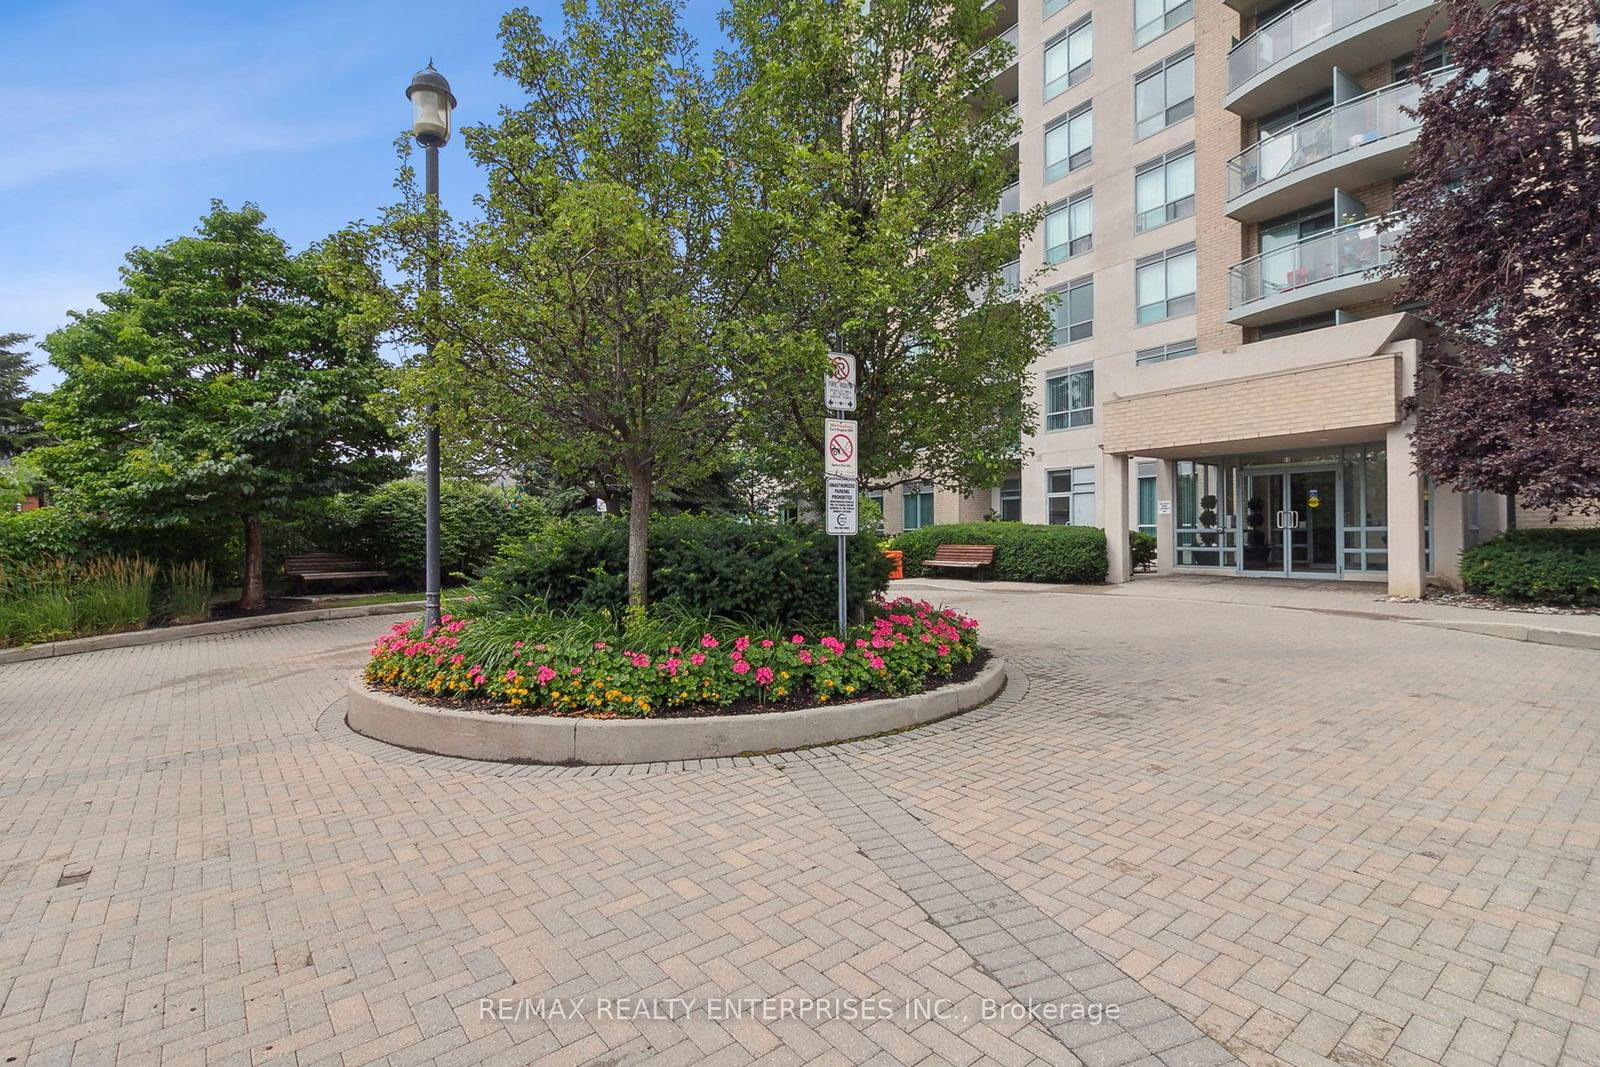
x,y
1269,836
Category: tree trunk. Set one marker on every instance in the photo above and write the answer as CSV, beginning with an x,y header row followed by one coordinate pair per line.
x,y
1511,510
639,538
252,597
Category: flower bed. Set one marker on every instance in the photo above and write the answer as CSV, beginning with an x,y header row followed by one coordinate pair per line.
x,y
545,665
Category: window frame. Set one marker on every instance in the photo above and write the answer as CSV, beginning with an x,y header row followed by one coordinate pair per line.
x,y
1164,20
906,497
1184,108
1062,296
1149,357
1010,493
1072,418
1076,200
1080,489
1171,210
1164,260
1074,159
1075,75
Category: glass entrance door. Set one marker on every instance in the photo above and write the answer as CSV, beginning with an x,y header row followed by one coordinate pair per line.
x,y
1291,522
1264,526
1313,512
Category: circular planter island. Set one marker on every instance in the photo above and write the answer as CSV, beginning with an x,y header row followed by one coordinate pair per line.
x,y
583,741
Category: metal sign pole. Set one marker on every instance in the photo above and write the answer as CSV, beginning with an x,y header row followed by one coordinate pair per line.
x,y
839,447
843,622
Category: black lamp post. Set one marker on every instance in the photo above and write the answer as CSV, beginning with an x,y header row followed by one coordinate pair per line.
x,y
431,104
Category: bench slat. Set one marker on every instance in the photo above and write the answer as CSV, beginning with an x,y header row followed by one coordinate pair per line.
x,y
966,557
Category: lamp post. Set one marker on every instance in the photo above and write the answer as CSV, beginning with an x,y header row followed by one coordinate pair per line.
x,y
431,104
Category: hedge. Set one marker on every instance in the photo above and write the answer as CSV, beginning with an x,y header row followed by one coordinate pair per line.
x,y
386,525
1022,553
767,573
1543,565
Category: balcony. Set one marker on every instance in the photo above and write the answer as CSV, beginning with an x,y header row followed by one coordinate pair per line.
x,y
1290,57
1005,83
1010,204
1352,144
1328,270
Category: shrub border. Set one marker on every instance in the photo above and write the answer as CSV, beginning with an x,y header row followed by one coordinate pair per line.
x,y
481,735
157,634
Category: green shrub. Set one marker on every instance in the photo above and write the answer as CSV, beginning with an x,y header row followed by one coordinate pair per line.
x,y
1022,552
1543,565
703,564
1142,549
386,526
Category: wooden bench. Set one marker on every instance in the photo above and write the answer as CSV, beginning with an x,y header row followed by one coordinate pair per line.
x,y
328,567
961,557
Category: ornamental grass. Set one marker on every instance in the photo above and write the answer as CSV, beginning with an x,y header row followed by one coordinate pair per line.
x,y
537,661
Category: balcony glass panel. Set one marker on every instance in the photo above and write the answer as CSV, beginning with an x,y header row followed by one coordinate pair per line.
x,y
1350,125
1343,251
1293,30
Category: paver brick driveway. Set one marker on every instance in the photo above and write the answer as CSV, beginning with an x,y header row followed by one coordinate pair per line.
x,y
1265,835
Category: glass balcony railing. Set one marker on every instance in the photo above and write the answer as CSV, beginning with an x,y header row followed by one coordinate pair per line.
x,y
1342,128
1297,28
1341,252
1011,36
1011,278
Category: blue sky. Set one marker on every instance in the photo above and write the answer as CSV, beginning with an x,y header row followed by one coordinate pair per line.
x,y
127,118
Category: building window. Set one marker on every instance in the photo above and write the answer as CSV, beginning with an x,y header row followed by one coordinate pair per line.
x,y
1147,499
1069,495
788,513
1164,94
1165,284
1068,58
1163,190
1011,499
1303,324
1436,56
1152,18
1069,142
1069,398
1072,306
1069,228
918,507
880,500
1164,353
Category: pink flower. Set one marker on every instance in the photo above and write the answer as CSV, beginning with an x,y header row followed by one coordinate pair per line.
x,y
457,660
600,645
641,661
707,641
875,663
545,675
511,676
766,644
861,642
797,639
805,655
575,671
927,639
764,676
672,665
944,650
740,644
697,659
517,647
741,667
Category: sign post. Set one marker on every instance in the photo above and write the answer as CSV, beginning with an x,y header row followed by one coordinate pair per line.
x,y
840,467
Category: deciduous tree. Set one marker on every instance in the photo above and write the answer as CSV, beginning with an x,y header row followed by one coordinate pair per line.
x,y
214,387
18,430
1502,247
873,152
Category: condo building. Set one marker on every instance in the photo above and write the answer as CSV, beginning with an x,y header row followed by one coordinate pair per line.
x,y
1227,372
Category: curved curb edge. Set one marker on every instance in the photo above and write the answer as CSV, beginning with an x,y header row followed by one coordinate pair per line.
x,y
602,742
131,638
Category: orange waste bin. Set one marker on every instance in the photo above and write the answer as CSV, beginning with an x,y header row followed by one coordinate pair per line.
x,y
897,558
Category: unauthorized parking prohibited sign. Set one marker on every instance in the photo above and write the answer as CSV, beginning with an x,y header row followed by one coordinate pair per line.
x,y
842,506
839,448
839,387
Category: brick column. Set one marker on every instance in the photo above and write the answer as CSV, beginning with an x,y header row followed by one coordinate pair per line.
x,y
1114,497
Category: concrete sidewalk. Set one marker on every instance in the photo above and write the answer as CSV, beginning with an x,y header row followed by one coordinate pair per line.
x,y
1359,599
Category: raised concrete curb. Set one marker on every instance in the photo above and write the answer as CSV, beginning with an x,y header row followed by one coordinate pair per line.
x,y
1514,631
198,629
550,739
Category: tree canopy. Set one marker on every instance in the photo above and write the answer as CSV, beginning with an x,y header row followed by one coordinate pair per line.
x,y
214,387
873,152
1502,251
18,430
